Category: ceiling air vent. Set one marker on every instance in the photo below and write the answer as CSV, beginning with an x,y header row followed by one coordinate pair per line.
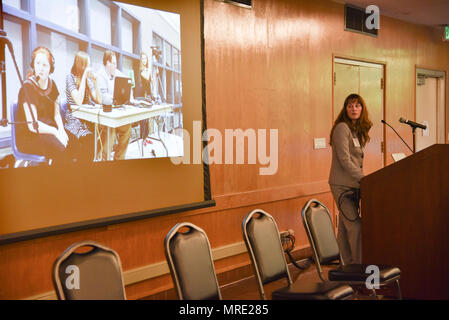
x,y
241,3
355,20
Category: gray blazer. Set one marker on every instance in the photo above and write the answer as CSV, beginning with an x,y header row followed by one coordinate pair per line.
x,y
347,157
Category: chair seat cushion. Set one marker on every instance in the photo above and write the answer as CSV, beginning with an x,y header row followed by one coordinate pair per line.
x,y
357,273
313,291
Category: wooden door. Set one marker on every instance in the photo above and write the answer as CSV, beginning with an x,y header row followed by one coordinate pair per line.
x,y
346,81
371,90
364,79
426,112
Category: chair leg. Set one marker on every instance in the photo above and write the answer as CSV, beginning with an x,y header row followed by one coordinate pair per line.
x,y
17,163
399,290
375,294
22,163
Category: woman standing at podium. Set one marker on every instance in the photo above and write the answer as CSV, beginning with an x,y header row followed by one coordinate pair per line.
x,y
348,137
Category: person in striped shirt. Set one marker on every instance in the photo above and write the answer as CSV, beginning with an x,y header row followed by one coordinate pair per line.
x,y
81,88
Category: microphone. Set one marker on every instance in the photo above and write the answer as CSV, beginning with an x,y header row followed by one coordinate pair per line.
x,y
413,124
384,122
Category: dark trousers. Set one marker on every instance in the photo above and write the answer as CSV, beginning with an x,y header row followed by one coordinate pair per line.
x,y
349,235
45,145
80,149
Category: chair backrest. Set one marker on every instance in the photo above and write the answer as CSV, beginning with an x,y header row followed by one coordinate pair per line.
x,y
263,242
189,258
13,115
93,275
63,106
318,225
15,150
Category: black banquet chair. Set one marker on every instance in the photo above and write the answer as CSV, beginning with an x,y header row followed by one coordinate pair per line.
x,y
318,224
263,242
95,274
189,258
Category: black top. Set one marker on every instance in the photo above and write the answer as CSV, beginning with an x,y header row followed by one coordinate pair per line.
x,y
71,85
44,102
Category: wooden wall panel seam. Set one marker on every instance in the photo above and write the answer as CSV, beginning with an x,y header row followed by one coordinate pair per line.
x,y
256,197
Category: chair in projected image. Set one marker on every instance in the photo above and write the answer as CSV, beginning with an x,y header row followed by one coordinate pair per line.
x,y
191,265
25,158
263,242
95,274
318,225
63,107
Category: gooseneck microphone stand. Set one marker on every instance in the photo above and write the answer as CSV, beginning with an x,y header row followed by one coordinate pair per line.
x,y
159,121
414,125
414,139
413,151
4,120
4,41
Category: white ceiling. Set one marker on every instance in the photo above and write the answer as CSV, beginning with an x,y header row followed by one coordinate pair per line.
x,y
433,13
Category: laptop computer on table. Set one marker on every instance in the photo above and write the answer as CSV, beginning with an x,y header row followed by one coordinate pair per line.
x,y
122,90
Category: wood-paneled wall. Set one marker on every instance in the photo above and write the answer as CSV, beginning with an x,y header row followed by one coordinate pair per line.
x,y
266,68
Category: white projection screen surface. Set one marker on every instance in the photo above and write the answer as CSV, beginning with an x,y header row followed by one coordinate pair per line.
x,y
130,173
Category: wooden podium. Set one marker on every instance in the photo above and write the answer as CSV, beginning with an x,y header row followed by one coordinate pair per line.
x,y
405,221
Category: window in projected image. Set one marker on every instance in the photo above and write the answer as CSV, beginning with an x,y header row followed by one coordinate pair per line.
x,y
101,82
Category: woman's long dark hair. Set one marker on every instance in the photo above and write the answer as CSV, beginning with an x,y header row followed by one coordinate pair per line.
x,y
79,65
362,125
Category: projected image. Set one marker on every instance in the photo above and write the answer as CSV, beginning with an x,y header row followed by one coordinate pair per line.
x,y
97,81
